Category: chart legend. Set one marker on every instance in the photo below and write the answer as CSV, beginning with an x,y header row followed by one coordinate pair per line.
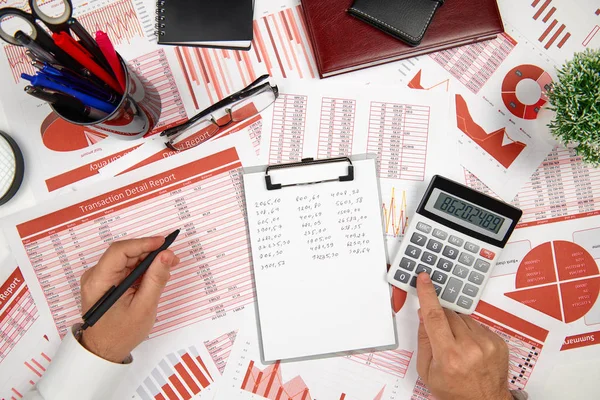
x,y
497,144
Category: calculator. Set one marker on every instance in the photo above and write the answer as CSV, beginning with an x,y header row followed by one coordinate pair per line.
x,y
456,237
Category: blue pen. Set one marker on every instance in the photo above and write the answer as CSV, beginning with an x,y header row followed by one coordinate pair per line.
x,y
80,84
87,100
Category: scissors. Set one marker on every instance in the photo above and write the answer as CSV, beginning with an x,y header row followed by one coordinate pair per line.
x,y
38,34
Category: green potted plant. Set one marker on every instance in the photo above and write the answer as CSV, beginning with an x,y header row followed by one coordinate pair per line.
x,y
576,100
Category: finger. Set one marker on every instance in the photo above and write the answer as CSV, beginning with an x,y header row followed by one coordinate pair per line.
x,y
115,258
424,352
473,325
457,324
434,319
134,261
154,281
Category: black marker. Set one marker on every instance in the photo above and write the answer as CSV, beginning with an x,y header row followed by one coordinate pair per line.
x,y
114,293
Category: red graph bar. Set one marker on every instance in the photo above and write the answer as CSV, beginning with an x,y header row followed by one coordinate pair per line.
x,y
179,387
257,382
564,40
271,379
550,13
186,76
15,391
548,30
535,3
170,393
46,357
248,372
275,48
159,397
555,36
187,378
541,10
204,366
305,394
343,396
195,370
32,369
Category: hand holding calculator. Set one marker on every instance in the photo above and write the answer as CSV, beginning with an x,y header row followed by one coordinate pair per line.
x,y
456,237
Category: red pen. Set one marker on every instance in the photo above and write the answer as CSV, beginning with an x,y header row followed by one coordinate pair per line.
x,y
84,59
109,52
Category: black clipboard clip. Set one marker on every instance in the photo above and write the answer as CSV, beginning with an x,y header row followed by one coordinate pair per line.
x,y
305,162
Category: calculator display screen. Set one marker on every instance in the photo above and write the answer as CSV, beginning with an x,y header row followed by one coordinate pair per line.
x,y
469,213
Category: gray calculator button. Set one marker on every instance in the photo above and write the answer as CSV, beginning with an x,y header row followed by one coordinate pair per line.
x,y
418,239
438,289
476,278
423,227
461,271
434,245
450,252
470,290
481,265
452,290
413,282
413,251
444,265
456,240
429,258
402,276
439,234
464,302
439,277
466,259
423,268
472,247
407,264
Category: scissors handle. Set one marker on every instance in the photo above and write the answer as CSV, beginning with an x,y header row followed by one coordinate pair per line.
x,y
56,24
28,19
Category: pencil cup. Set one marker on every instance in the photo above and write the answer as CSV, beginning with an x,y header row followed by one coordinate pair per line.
x,y
135,115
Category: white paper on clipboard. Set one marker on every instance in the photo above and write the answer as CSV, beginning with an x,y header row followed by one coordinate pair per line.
x,y
319,260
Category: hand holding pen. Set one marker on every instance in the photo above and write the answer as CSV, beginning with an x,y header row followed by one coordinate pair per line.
x,y
130,319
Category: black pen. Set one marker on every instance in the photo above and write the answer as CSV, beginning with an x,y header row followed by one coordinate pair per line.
x,y
62,101
115,292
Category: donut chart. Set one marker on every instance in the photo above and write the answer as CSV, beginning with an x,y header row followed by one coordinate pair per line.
x,y
560,279
509,90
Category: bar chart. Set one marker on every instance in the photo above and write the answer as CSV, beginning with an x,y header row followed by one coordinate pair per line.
x,y
179,376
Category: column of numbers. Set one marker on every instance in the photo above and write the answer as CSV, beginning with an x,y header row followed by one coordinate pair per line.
x,y
287,132
336,128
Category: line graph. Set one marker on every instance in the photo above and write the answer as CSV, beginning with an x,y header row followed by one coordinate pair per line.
x,y
497,144
269,384
415,83
394,215
118,19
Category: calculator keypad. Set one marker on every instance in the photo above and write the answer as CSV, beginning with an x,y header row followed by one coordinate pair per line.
x,y
458,267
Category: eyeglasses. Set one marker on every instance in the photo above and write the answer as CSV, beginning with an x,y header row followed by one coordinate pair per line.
x,y
237,107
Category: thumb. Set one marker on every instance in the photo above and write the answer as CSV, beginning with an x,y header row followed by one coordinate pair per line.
x,y
424,353
155,279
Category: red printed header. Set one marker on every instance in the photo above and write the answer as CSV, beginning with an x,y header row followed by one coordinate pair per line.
x,y
582,340
10,288
488,310
110,200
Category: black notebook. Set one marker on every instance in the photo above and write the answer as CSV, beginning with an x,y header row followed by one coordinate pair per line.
x,y
205,23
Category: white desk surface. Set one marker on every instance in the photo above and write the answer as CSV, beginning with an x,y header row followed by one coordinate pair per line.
x,y
566,381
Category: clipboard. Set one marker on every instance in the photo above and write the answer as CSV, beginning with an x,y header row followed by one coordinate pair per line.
x,y
319,258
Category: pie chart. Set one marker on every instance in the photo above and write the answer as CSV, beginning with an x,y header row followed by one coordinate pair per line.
x,y
509,90
560,279
59,135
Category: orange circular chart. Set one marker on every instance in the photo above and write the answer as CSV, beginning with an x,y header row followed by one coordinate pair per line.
x,y
560,279
59,135
509,90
